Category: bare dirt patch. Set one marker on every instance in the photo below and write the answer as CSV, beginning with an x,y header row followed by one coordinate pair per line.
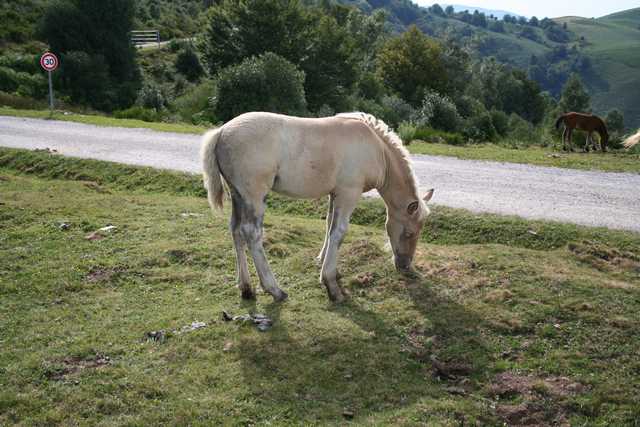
x,y
603,257
61,369
542,399
103,274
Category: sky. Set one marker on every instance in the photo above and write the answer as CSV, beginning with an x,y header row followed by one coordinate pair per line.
x,y
548,8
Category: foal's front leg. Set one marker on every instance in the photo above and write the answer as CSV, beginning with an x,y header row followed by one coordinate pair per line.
x,y
342,209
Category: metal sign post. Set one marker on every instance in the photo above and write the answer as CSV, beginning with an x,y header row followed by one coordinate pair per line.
x,y
49,62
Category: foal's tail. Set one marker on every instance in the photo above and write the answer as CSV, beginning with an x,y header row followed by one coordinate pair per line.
x,y
632,140
211,171
560,120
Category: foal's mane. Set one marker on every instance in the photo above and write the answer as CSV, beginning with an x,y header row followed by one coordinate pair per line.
x,y
391,139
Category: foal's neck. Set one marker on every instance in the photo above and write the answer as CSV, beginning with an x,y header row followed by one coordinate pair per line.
x,y
399,187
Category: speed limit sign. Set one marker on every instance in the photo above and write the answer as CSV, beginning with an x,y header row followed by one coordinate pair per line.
x,y
49,61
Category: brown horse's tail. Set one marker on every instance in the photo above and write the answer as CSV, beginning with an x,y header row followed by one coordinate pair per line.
x,y
560,120
604,137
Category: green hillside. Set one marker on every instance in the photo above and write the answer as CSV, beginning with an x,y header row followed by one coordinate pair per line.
x,y
613,45
605,52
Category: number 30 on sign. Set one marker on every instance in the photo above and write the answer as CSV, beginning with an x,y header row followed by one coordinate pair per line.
x,y
49,61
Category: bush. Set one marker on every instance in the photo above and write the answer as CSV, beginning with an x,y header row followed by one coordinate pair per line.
x,y
264,83
139,113
152,97
438,112
195,105
188,64
21,102
395,110
407,132
24,84
500,121
479,128
521,132
439,137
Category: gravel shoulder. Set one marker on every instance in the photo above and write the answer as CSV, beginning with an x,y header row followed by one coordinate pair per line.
x,y
582,197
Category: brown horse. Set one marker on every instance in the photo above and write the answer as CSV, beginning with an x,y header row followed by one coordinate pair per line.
x,y
586,122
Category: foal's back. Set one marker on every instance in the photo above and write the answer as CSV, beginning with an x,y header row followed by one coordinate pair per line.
x,y
300,157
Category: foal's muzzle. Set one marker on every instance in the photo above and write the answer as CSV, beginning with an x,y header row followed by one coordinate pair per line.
x,y
402,262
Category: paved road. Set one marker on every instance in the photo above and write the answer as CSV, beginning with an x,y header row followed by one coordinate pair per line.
x,y
581,197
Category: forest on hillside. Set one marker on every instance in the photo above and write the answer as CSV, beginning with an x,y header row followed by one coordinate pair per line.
x,y
418,69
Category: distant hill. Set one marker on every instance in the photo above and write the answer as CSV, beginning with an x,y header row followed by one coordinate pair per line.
x,y
605,52
497,13
612,43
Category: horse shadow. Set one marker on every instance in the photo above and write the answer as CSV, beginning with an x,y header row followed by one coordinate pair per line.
x,y
338,373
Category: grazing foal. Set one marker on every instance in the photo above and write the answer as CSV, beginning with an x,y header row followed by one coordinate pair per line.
x,y
341,156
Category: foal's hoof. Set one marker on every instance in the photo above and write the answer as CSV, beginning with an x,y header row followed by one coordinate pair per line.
x,y
280,296
338,297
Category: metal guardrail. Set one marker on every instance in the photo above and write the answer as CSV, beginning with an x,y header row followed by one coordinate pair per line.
x,y
141,37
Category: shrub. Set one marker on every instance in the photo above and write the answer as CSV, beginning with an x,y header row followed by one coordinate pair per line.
x,y
152,97
479,128
500,121
439,137
438,112
395,110
407,132
24,84
264,83
139,113
195,105
188,64
522,132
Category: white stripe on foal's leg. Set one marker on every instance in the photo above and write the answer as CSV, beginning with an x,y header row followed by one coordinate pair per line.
x,y
344,204
323,252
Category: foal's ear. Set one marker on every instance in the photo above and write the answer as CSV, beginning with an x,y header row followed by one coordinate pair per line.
x,y
413,207
428,196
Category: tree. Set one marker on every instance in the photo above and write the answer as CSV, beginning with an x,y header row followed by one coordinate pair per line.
x,y
615,122
533,21
436,9
264,83
92,39
238,29
412,63
188,63
449,10
329,65
574,96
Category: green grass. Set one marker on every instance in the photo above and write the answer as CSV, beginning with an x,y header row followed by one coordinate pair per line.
x,y
490,298
102,120
615,161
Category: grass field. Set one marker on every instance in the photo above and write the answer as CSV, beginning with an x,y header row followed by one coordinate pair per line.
x,y
505,321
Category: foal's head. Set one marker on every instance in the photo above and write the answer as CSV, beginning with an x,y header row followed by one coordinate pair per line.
x,y
403,228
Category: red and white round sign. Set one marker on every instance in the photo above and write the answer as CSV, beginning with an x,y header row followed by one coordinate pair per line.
x,y
49,61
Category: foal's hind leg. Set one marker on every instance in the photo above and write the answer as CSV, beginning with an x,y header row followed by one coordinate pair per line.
x,y
244,283
252,214
564,139
323,252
